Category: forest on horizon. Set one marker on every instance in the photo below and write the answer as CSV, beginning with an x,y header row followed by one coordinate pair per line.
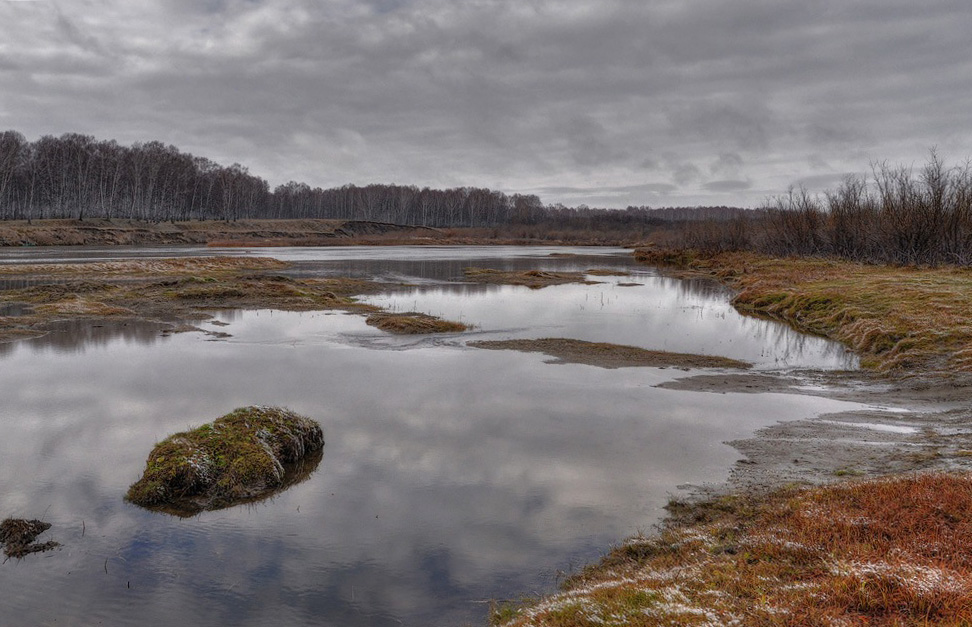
x,y
78,176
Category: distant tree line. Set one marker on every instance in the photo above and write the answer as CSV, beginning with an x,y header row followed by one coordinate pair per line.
x,y
78,176
897,215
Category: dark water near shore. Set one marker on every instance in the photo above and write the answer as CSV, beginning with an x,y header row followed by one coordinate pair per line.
x,y
450,475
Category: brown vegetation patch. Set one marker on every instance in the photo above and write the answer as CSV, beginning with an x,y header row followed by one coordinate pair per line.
x,y
534,279
79,306
222,233
883,552
897,319
145,267
241,456
413,323
607,355
177,289
607,272
17,537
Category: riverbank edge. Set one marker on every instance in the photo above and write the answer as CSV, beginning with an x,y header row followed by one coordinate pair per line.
x,y
800,459
268,232
179,293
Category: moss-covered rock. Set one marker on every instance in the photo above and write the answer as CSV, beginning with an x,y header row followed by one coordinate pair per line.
x,y
239,457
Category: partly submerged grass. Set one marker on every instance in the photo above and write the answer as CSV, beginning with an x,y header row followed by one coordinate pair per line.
x,y
17,537
534,279
606,355
183,289
412,323
237,457
606,272
882,552
898,319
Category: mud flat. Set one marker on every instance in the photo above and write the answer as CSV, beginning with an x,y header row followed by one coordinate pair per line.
x,y
177,291
534,279
604,355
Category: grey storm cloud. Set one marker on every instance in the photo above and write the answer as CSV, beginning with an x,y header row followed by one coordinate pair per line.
x,y
688,102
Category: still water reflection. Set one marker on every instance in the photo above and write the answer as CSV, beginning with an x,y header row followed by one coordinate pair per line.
x,y
450,475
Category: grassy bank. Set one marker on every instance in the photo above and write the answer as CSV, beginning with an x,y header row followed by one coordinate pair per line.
x,y
293,232
900,320
253,232
885,552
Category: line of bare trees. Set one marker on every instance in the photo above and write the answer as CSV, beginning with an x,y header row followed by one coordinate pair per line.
x,y
77,176
897,215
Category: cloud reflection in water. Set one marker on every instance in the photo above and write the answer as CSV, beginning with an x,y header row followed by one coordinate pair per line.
x,y
450,475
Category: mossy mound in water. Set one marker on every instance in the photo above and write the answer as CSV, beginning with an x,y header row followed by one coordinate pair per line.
x,y
238,457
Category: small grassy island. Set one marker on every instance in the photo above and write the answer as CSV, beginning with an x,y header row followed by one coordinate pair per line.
x,y
413,323
242,456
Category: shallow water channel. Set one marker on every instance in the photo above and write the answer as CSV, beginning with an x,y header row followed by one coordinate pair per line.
x,y
450,475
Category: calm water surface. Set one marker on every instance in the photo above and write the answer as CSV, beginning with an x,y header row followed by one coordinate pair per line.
x,y
450,475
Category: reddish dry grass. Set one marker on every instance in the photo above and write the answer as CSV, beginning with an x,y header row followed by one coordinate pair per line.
x,y
886,552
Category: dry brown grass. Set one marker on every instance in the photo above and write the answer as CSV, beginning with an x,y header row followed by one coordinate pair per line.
x,y
881,552
898,319
412,323
145,267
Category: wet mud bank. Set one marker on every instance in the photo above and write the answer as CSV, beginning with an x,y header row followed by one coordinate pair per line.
x,y
533,279
605,355
918,424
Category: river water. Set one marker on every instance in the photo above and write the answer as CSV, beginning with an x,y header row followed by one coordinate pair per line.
x,y
450,475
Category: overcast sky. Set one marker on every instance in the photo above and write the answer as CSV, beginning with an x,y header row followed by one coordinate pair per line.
x,y
603,102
